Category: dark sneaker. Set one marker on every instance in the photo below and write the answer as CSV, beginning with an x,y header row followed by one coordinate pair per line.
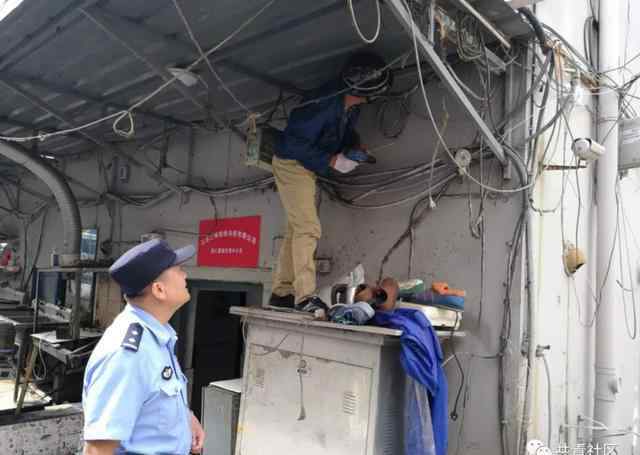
x,y
286,301
311,304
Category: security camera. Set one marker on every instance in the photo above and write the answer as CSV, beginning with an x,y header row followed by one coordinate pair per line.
x,y
587,149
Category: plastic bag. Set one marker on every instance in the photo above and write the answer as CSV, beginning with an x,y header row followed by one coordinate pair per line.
x,y
418,429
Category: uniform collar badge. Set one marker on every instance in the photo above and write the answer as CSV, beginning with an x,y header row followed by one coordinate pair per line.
x,y
167,372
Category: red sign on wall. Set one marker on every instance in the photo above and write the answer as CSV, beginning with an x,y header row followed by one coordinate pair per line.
x,y
229,242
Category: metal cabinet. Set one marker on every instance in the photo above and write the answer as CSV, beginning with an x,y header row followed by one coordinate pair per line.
x,y
220,408
318,388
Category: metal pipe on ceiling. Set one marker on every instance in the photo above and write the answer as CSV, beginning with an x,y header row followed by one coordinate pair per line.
x,y
70,213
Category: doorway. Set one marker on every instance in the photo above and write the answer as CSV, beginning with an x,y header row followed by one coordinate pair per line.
x,y
210,342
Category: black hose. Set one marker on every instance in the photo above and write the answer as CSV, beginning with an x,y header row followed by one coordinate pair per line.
x,y
521,102
537,28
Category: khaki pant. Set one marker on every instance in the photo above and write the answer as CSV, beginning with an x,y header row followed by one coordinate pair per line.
x,y
296,270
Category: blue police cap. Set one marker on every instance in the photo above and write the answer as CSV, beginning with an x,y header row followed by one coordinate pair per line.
x,y
138,267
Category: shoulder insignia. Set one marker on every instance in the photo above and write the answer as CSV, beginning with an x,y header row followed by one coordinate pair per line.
x,y
132,338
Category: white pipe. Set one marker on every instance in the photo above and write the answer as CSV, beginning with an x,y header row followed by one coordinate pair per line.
x,y
606,362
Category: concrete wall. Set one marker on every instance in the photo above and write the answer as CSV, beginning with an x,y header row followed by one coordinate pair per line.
x,y
567,306
444,247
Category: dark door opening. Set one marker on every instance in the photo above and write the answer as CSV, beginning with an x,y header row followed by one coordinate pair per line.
x,y
210,342
218,343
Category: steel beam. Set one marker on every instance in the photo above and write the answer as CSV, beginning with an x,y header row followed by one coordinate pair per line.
x,y
266,78
399,10
17,123
241,45
117,29
96,140
43,197
44,34
121,34
85,96
484,21
151,35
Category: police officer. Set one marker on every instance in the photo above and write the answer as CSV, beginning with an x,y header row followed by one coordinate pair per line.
x,y
134,393
319,136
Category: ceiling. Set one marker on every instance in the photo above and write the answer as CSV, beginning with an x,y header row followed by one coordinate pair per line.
x,y
68,62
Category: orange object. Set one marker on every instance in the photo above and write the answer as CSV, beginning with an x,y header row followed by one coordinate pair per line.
x,y
443,288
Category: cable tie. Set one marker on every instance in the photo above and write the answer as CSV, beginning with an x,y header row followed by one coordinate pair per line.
x,y
124,133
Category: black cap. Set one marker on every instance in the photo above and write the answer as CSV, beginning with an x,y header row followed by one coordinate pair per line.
x,y
366,75
138,267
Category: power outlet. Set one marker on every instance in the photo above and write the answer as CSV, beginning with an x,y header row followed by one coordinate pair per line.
x,y
323,266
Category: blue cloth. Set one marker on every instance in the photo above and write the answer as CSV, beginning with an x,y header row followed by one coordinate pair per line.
x,y
317,131
431,298
357,313
134,390
421,358
143,263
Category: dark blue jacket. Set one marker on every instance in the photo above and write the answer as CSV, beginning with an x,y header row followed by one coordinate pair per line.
x,y
421,358
317,131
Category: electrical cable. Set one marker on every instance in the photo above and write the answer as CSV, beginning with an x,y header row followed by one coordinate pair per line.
x,y
438,133
537,28
120,115
443,127
357,27
34,261
415,219
545,98
206,58
454,412
633,333
395,203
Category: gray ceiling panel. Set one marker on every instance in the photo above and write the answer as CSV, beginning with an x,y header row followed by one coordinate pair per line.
x,y
292,44
27,18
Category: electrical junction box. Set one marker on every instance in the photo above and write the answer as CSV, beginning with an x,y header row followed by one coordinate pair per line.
x,y
323,265
629,133
317,388
261,146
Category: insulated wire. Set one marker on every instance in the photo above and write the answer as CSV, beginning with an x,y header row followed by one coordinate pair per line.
x,y
626,249
120,115
435,126
357,27
206,59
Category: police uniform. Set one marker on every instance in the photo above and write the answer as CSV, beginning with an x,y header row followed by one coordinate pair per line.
x,y
134,390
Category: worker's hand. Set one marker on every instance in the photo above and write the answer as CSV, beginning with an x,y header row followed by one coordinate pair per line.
x,y
197,435
342,164
359,155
